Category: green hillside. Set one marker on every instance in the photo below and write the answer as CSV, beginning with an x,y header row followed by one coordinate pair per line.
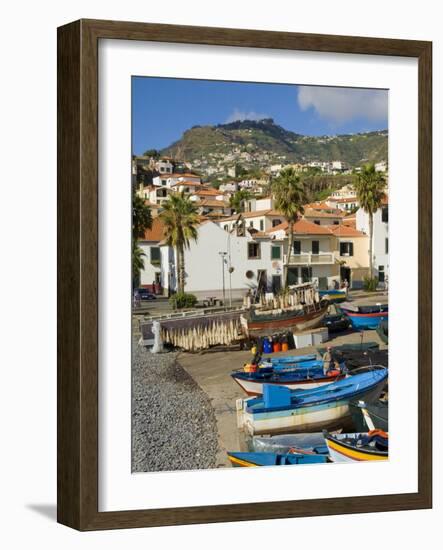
x,y
264,138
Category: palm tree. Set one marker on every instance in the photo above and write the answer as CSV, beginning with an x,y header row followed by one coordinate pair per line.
x,y
141,220
181,219
370,188
238,199
289,195
137,263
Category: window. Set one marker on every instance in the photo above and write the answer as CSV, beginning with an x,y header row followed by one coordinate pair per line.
x,y
297,247
276,222
386,245
293,276
155,255
226,228
163,182
262,225
385,215
275,252
276,283
317,222
253,251
346,249
315,247
306,274
251,224
335,222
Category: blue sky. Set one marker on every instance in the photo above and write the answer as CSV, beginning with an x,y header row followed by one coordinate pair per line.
x,y
163,108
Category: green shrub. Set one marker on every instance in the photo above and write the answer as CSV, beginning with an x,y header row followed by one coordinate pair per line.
x,y
370,284
182,300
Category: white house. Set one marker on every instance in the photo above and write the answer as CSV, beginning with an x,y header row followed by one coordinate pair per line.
x,y
380,244
151,274
253,262
343,203
313,257
168,180
258,220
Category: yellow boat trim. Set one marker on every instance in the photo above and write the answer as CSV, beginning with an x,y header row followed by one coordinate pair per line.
x,y
240,462
351,453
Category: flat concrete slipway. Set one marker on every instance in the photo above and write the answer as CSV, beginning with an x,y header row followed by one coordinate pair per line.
x,y
211,371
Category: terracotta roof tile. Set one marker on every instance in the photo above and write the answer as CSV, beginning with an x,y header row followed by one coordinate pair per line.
x,y
346,231
303,227
323,214
156,233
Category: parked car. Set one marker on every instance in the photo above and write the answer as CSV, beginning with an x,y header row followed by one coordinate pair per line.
x,y
145,294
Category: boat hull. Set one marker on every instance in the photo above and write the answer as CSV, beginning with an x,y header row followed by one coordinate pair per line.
x,y
366,320
254,387
295,323
311,418
379,413
253,459
341,452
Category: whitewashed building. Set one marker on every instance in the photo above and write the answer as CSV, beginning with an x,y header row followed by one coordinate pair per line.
x,y
380,244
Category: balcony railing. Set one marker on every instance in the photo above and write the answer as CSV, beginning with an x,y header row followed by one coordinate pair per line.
x,y
307,258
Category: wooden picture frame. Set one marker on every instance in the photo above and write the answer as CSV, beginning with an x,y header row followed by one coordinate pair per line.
x,y
78,273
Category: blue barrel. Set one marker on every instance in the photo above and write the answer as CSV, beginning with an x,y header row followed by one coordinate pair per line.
x,y
267,346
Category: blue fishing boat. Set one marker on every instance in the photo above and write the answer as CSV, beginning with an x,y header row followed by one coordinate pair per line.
x,y
366,317
274,459
307,375
281,410
290,359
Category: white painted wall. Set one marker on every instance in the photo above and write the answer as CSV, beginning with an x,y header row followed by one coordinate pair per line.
x,y
381,233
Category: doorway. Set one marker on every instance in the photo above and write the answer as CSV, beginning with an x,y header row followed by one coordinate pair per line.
x,y
345,274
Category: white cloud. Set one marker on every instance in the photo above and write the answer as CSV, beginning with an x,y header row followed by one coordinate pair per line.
x,y
245,115
343,104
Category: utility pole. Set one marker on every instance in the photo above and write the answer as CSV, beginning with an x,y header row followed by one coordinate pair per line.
x,y
223,255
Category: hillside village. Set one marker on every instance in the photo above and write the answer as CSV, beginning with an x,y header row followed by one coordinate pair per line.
x,y
243,245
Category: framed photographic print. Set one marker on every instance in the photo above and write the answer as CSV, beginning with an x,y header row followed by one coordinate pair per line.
x,y
244,275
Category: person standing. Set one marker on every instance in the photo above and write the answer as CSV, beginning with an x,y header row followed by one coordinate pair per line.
x,y
346,286
386,284
327,360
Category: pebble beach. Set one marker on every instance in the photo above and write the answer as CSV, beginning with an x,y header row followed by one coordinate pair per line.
x,y
173,422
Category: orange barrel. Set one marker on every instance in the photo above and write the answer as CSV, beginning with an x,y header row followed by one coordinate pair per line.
x,y
277,347
284,346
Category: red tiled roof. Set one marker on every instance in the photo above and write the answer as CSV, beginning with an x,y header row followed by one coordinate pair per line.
x,y
346,231
156,233
320,205
213,202
317,214
303,227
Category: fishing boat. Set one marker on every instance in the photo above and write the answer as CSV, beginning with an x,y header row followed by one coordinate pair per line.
x,y
289,359
334,295
358,447
304,376
281,410
282,444
383,331
365,317
274,459
265,322
378,412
